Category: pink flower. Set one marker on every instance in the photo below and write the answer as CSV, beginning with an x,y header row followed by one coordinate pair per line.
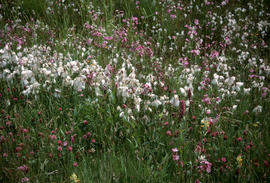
x,y
239,139
198,149
206,166
169,133
214,54
223,3
25,179
59,148
223,159
107,38
69,148
51,155
266,163
85,122
75,164
53,137
72,139
23,168
87,26
18,149
65,143
8,123
174,150
196,52
173,16
183,108
182,164
175,157
59,142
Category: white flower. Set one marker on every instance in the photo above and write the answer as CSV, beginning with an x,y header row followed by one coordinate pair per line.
x,y
123,90
46,72
129,111
156,103
26,74
246,90
239,85
121,114
187,103
98,92
6,71
137,102
175,101
119,108
214,81
208,111
183,92
202,158
230,81
257,109
79,83
57,93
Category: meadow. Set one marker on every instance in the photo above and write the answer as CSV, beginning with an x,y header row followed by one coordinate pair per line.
x,y
134,91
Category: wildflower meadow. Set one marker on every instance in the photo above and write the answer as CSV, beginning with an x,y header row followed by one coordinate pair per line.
x,y
134,91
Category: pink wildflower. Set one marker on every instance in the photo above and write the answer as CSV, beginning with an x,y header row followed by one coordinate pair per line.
x,y
173,16
25,179
59,148
175,157
214,54
183,108
53,137
75,164
23,168
59,142
206,166
65,143
108,38
69,148
169,133
174,150
223,159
